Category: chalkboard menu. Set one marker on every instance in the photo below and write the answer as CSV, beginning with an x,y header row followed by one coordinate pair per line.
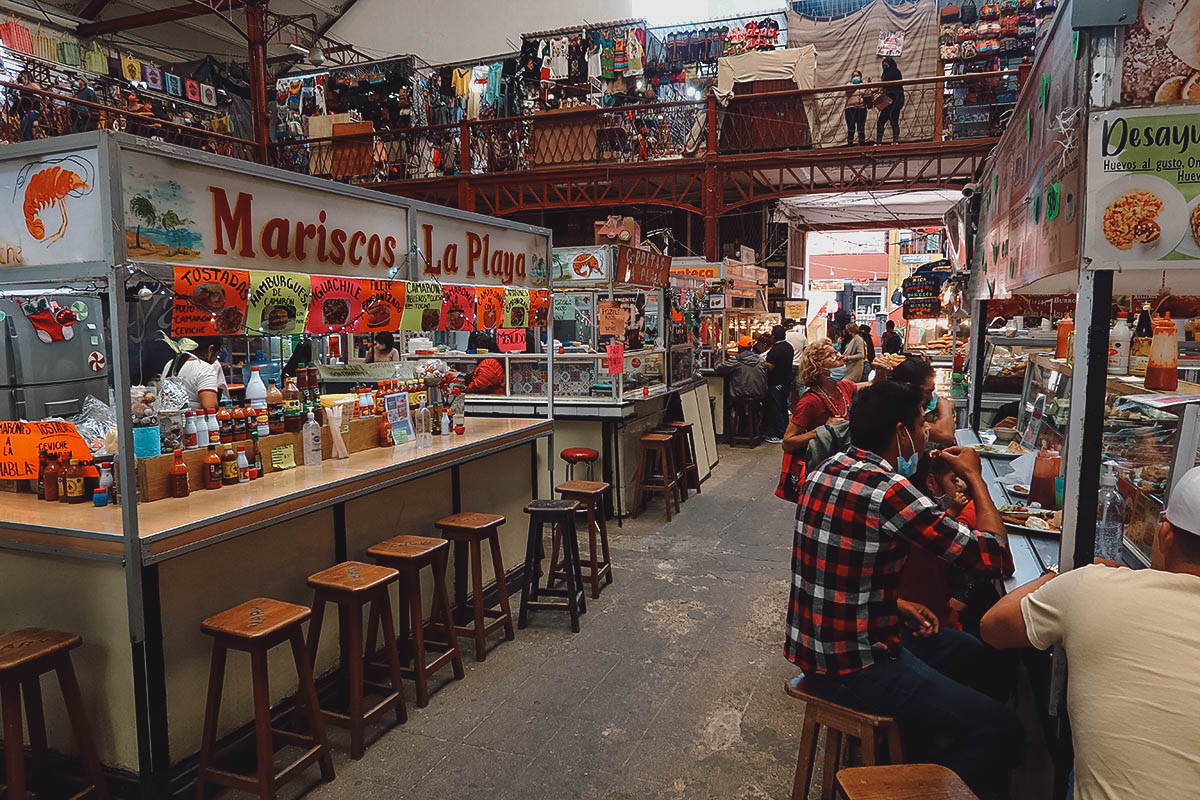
x,y
921,299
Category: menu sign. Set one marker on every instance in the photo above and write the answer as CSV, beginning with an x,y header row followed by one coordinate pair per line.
x,y
422,306
921,299
336,305
642,267
539,308
278,302
511,340
516,308
21,441
209,302
477,252
383,306
612,316
458,308
490,308
1144,176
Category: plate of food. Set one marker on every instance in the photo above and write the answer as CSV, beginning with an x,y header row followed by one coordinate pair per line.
x,y
1190,244
1008,451
1019,490
1144,218
1032,520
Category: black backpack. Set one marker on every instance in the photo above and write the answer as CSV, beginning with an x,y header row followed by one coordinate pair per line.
x,y
968,13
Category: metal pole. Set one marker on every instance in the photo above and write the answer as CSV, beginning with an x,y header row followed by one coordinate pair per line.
x,y
256,42
978,367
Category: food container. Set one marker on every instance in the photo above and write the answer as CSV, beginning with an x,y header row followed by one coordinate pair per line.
x,y
1005,435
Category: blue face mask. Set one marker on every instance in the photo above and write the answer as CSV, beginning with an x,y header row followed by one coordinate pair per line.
x,y
837,347
856,79
837,373
907,467
932,404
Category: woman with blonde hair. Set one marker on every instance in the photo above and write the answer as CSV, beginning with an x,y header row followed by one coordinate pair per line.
x,y
827,399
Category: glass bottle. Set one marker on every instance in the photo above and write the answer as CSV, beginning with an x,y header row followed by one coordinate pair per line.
x,y
257,468
293,419
225,421
274,409
212,469
423,420
229,466
1139,348
50,477
177,476
41,479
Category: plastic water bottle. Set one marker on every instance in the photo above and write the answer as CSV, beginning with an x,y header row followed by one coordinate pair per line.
x,y
311,433
256,396
424,424
1110,516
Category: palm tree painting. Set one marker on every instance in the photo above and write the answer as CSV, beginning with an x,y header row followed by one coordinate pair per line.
x,y
142,208
171,222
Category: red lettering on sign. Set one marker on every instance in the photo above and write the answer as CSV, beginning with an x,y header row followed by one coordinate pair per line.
x,y
234,224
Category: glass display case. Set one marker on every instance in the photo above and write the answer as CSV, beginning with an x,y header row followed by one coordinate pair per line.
x,y
1007,358
1152,438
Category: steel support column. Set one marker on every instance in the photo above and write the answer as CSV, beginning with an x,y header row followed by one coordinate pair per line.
x,y
711,199
466,194
256,42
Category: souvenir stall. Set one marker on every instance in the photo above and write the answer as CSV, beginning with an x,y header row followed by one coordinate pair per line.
x,y
684,63
144,532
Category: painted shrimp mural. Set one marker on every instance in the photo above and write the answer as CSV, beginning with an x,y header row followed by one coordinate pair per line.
x,y
47,185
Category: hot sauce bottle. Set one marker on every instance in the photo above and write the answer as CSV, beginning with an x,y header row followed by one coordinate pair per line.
x,y
177,476
50,477
74,480
225,422
229,466
212,469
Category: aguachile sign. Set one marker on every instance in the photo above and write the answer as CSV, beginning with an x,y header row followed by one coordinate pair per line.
x,y
182,213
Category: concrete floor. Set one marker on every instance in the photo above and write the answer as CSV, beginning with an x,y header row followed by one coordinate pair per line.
x,y
672,689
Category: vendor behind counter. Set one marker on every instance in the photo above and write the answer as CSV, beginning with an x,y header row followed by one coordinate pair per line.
x,y
200,373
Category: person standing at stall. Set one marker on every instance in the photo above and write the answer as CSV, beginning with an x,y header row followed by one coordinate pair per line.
x,y
200,373
890,342
383,348
894,93
854,351
1130,638
856,111
798,339
857,519
827,399
779,384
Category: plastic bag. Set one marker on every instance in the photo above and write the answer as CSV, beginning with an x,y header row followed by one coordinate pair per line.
x,y
431,368
97,424
172,395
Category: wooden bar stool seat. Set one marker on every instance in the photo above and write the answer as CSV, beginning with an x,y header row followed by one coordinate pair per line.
x,y
26,655
560,514
745,422
590,495
579,455
677,447
409,555
656,473
690,468
255,627
899,781
471,529
870,730
351,586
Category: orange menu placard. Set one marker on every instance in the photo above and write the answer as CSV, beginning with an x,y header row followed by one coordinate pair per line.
x,y
383,306
20,442
209,302
489,302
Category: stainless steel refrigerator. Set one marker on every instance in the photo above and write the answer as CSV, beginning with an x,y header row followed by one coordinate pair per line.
x,y
40,379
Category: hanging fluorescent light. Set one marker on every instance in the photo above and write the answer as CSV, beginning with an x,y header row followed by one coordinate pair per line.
x,y
298,48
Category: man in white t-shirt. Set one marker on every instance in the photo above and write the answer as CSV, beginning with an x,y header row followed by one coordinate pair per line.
x,y
1132,639
200,373
796,338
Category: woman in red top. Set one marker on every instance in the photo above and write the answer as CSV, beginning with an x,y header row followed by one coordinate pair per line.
x,y
827,399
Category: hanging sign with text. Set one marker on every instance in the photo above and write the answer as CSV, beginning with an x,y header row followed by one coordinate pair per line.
x,y
480,253
278,302
422,306
511,340
611,318
383,306
336,305
209,302
21,441
616,358
458,308
642,267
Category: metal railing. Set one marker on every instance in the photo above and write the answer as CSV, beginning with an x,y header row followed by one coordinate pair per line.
x,y
27,113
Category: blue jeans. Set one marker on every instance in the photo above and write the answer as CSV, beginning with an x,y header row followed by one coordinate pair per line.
x,y
942,719
777,409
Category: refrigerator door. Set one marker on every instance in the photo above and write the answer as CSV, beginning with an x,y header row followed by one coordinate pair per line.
x,y
43,400
26,358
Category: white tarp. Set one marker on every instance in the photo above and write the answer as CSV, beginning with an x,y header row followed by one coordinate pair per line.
x,y
796,64
866,207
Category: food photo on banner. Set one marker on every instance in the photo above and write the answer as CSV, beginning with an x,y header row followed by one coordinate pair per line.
x,y
458,308
209,302
278,302
489,313
539,308
516,307
383,306
422,306
336,305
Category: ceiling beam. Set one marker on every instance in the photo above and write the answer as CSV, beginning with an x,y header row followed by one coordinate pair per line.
x,y
159,17
93,8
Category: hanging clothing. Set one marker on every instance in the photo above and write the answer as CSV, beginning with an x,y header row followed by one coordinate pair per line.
x,y
594,70
607,57
461,81
479,78
576,62
635,52
620,56
491,91
558,59
418,99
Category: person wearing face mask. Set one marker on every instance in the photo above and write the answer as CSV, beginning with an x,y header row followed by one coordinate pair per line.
x,y
858,517
826,399
84,116
939,411
895,93
856,111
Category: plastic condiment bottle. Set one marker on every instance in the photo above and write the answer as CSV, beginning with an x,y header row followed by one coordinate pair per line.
x,y
106,477
243,465
177,476
380,393
225,420
1162,373
446,426
1118,347
212,469
241,417
229,466
50,477
274,410
293,419
311,436
424,424
214,429
1066,326
189,432
202,437
256,396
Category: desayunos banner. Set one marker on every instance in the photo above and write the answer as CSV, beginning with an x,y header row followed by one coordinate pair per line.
x,y
278,302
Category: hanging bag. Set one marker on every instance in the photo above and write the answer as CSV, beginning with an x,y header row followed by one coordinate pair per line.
x,y
16,35
791,477
131,69
152,75
69,53
969,13
208,94
173,84
191,90
45,46
95,60
950,13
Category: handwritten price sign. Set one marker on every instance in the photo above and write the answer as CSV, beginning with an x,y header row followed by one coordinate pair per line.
x,y
511,340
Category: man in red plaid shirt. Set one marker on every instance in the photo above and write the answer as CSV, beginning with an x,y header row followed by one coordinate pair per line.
x,y
858,644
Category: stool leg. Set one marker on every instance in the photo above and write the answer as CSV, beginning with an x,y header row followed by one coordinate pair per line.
x,y
212,710
31,691
552,577
895,747
80,727
571,561
14,740
638,494
870,756
501,584
579,585
413,587
608,578
833,751
262,724
440,596
530,582
381,609
680,473
308,690
353,635
373,625
477,591
592,529
314,626
804,762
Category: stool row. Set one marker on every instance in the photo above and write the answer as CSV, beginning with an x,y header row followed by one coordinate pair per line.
x,y
666,465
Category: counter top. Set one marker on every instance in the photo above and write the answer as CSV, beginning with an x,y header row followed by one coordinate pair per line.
x,y
174,525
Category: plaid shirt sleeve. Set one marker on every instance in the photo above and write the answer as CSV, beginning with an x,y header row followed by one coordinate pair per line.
x,y
907,513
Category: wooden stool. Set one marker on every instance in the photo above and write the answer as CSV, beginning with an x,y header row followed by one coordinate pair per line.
x,y
471,529
680,472
590,495
689,466
26,655
745,422
255,627
561,514
579,455
352,585
926,781
655,451
408,555
838,721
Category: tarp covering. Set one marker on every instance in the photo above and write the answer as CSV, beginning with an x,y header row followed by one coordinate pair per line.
x,y
866,207
850,42
796,64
